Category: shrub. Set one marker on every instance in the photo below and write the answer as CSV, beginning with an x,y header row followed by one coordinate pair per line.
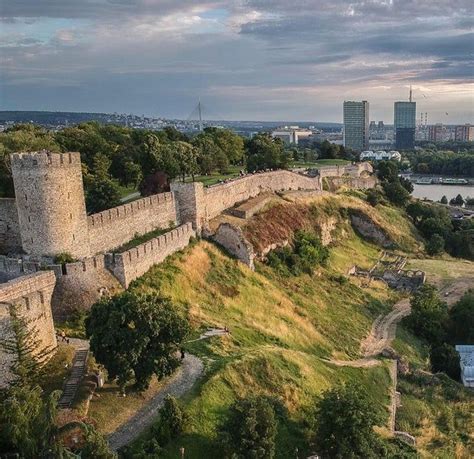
x,y
307,253
171,423
435,245
250,429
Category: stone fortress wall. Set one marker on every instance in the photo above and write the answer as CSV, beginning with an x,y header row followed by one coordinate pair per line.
x,y
31,295
58,204
130,265
112,228
10,238
48,217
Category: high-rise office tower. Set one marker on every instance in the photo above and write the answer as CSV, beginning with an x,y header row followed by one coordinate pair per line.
x,y
356,125
405,124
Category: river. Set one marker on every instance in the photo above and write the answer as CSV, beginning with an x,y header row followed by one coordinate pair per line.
x,y
436,192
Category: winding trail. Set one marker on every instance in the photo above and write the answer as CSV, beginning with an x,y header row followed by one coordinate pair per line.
x,y
177,385
381,335
180,383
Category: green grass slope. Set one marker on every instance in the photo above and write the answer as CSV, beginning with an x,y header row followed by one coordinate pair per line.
x,y
283,331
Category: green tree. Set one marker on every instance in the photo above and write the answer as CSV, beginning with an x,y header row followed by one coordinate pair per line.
x,y
429,315
171,423
186,156
444,200
435,245
101,194
457,201
135,336
250,429
345,424
396,193
387,171
329,150
461,320
265,152
444,358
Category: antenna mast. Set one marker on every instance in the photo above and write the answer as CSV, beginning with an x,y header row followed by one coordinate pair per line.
x,y
200,115
411,94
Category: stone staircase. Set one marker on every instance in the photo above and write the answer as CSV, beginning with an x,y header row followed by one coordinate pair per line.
x,y
72,384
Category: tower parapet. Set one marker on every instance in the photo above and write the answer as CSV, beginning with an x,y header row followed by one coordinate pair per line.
x,y
50,201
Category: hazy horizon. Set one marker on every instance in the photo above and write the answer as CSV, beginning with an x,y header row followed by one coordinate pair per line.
x,y
254,60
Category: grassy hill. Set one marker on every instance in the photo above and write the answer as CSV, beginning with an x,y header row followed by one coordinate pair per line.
x,y
284,329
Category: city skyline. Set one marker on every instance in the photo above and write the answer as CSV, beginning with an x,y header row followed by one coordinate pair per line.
x,y
253,60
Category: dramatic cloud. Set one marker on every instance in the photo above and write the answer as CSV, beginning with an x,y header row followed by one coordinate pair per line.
x,y
247,59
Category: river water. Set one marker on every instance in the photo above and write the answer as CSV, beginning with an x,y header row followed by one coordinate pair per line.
x,y
436,192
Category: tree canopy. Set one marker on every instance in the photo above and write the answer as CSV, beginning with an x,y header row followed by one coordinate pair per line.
x,y
345,424
135,336
250,429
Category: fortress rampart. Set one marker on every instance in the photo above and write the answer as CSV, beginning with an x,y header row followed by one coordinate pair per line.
x,y
10,239
114,227
31,296
199,205
128,266
48,217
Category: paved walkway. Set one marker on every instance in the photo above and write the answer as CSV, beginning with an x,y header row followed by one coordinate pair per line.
x,y
180,383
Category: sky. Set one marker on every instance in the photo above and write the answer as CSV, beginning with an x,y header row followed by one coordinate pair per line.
x,y
244,59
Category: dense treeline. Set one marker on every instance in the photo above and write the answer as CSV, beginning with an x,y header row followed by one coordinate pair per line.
x,y
443,163
442,328
115,156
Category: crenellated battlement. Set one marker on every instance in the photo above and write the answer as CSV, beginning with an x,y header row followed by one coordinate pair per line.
x,y
125,210
45,158
131,264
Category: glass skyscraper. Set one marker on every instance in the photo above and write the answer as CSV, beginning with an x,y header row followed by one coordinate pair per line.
x,y
356,125
405,124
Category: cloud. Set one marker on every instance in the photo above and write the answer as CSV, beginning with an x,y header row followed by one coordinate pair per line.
x,y
249,58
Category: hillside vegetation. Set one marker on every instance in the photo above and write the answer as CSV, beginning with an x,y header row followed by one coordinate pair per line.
x,y
283,329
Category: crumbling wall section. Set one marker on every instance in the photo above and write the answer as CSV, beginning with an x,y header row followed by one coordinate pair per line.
x,y
233,240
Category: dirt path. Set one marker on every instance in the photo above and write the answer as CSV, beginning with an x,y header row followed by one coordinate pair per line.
x,y
384,329
180,383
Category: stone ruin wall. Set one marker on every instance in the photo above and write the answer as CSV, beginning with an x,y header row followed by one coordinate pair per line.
x,y
112,228
233,240
10,238
220,197
356,183
31,294
130,265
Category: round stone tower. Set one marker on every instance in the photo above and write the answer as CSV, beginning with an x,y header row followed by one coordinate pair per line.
x,y
50,201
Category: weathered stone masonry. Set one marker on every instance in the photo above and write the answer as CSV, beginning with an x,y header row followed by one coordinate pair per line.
x,y
10,238
31,295
114,227
130,265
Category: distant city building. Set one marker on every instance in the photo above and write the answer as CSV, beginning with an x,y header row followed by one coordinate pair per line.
x,y
291,134
405,125
381,144
356,125
466,360
464,133
377,131
436,132
380,155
